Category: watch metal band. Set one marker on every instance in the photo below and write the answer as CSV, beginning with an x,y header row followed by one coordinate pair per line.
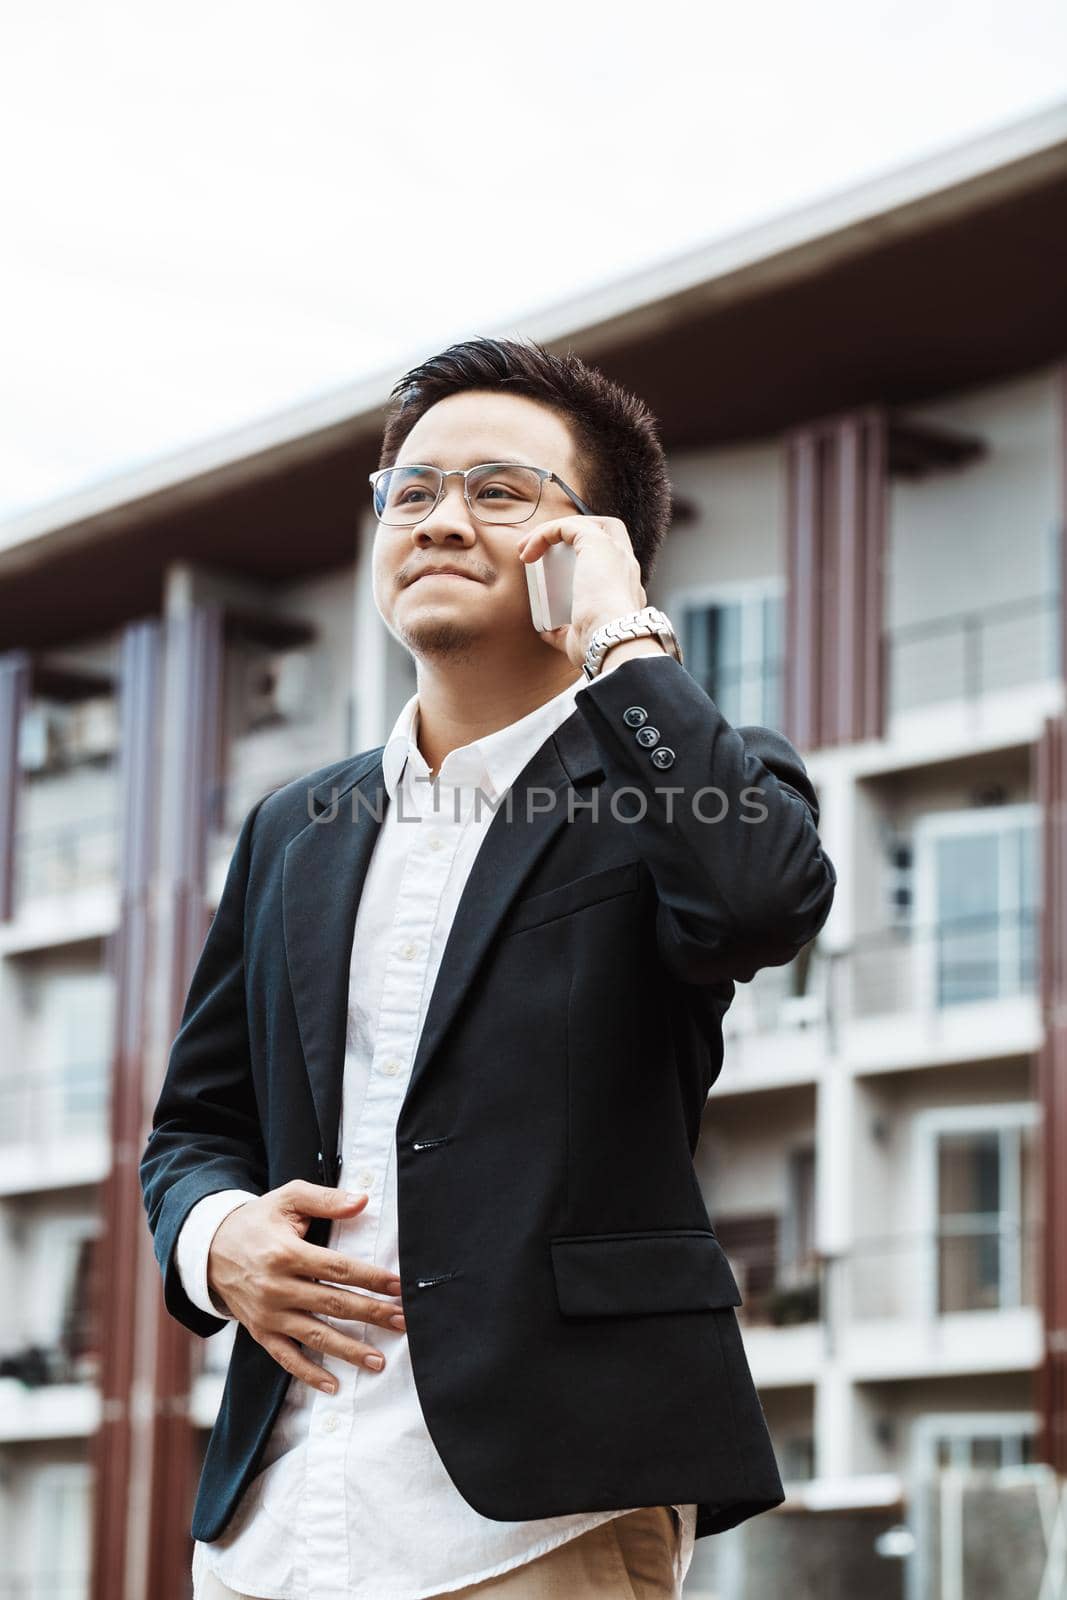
x,y
649,623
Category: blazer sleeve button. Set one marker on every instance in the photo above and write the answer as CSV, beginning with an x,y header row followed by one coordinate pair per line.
x,y
663,757
647,736
633,716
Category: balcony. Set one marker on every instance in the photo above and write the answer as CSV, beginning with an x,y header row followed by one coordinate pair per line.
x,y
985,674
66,876
958,1298
54,1126
48,1381
962,988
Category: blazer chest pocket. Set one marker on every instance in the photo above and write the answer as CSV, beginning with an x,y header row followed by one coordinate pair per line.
x,y
632,1274
574,896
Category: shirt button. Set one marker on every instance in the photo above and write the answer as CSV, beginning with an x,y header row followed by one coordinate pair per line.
x,y
647,736
366,1180
633,716
391,1068
407,951
435,841
663,757
329,1422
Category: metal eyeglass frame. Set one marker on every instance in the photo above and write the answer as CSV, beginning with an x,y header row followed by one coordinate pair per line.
x,y
543,474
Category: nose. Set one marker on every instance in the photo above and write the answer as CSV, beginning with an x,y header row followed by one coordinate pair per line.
x,y
449,522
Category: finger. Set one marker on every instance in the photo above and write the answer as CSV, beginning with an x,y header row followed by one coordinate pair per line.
x,y
289,1355
302,1199
324,1340
317,1261
325,1301
561,530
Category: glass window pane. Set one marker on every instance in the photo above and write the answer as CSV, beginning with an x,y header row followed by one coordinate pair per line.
x,y
967,934
712,648
969,1205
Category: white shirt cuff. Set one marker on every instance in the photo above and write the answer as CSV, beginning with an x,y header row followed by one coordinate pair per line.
x,y
194,1246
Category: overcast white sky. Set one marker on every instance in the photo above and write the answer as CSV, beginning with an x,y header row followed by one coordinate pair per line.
x,y
217,210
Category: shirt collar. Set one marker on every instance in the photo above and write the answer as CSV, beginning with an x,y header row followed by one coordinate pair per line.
x,y
491,763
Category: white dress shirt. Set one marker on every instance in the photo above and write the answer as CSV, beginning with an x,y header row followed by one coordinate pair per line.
x,y
352,1501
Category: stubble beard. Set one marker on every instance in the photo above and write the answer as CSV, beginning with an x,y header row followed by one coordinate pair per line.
x,y
440,639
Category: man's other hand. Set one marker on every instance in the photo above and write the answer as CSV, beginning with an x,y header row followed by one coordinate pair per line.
x,y
280,1287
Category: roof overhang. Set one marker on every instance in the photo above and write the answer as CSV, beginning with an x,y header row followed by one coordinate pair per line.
x,y
946,274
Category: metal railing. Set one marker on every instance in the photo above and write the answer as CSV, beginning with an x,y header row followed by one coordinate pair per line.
x,y
992,955
48,1106
972,1265
965,654
55,860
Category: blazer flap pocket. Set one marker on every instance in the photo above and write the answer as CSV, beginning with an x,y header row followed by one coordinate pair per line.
x,y
627,1274
585,891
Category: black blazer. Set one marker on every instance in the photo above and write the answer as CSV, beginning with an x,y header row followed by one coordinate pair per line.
x,y
570,1311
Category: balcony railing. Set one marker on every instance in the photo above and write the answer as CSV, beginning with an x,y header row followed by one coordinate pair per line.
x,y
986,956
972,1265
57,860
44,1107
966,654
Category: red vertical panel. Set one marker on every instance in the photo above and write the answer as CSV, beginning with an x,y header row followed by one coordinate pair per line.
x,y
194,644
835,680
145,1447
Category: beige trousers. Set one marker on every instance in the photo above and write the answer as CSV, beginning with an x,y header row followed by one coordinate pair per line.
x,y
630,1557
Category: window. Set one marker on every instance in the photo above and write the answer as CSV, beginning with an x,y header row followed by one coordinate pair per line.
x,y
61,1509
976,908
732,641
983,1195
969,1440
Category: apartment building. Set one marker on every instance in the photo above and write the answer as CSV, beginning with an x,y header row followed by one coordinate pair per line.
x,y
864,404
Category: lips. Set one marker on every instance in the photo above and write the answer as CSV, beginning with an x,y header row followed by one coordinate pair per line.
x,y
444,572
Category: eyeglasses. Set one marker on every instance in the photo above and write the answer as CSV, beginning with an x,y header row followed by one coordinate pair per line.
x,y
496,491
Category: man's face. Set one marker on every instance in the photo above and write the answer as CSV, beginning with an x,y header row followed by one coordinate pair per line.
x,y
439,617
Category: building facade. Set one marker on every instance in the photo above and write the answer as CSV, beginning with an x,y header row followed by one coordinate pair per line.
x,y
864,406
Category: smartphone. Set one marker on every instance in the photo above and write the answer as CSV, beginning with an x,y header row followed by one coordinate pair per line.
x,y
550,582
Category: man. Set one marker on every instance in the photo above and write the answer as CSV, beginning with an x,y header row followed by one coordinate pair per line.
x,y
503,1358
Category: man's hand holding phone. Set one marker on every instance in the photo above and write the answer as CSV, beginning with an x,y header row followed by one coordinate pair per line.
x,y
262,1267
604,577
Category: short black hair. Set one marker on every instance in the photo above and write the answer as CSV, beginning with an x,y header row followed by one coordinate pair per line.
x,y
616,438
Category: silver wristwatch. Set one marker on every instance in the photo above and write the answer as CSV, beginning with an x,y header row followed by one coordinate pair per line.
x,y
651,623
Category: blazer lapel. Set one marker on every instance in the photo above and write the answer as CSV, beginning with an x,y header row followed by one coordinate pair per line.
x,y
323,874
